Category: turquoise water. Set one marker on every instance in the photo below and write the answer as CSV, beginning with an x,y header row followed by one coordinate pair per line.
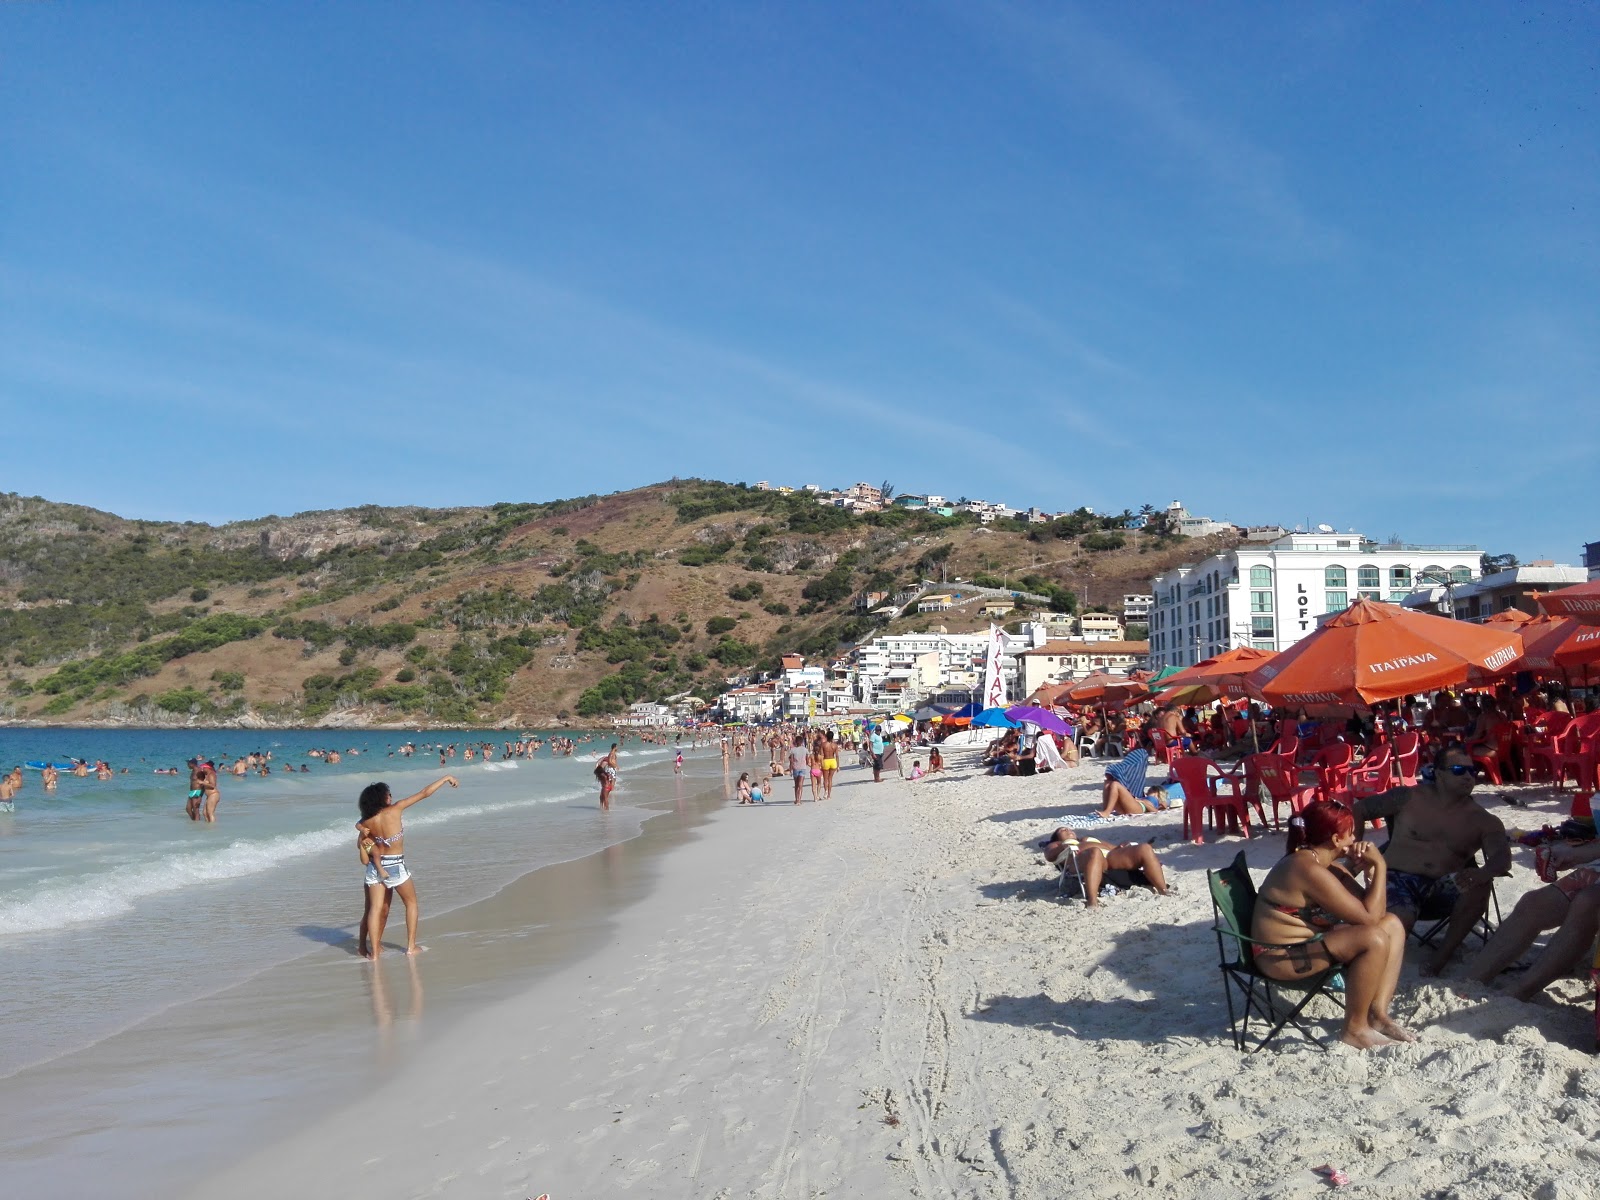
x,y
114,906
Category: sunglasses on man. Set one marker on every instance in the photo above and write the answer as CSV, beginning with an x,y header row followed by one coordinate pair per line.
x,y
1454,769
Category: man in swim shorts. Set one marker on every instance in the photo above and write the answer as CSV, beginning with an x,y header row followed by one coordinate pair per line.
x,y
1436,833
196,792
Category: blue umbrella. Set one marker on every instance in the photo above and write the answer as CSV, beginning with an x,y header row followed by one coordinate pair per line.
x,y
969,711
995,718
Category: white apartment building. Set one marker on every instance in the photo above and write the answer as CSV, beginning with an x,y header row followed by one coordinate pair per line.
x,y
1181,520
1270,595
646,716
1136,608
895,668
1058,661
1099,627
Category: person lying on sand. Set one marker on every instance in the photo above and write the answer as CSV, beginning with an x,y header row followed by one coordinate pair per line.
x,y
1124,790
1312,913
1124,866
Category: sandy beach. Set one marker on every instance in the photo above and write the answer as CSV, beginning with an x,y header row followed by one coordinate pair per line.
x,y
883,995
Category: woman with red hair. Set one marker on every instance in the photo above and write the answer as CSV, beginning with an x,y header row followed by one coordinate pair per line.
x,y
1308,893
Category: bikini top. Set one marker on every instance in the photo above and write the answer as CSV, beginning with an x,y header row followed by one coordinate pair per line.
x,y
1313,916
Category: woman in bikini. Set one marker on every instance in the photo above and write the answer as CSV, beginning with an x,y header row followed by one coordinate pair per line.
x,y
380,838
1310,893
1124,789
1129,864
830,763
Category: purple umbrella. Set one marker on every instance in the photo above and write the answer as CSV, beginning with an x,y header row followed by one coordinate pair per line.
x,y
1042,717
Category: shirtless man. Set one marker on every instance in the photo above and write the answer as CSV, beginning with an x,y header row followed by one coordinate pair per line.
x,y
196,792
50,777
1436,831
81,769
1170,722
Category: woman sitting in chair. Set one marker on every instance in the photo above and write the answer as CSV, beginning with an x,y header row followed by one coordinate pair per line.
x,y
1309,893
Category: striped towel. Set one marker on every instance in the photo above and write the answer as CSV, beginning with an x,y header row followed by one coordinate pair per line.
x,y
1130,772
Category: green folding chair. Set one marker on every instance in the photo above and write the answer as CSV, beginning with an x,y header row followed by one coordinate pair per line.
x,y
1250,994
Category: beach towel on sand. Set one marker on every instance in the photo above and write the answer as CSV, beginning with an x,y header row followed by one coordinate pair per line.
x,y
1091,820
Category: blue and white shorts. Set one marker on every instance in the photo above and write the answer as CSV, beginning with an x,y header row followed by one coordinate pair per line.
x,y
395,865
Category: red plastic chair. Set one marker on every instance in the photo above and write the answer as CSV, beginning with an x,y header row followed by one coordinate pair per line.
x,y
1561,756
1162,748
1201,795
1332,765
1577,753
1287,746
1492,760
1407,758
1282,783
1371,775
1539,745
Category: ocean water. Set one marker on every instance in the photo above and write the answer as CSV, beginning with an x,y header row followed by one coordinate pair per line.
x,y
115,907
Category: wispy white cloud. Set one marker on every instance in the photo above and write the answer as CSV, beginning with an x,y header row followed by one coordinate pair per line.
x,y
1071,57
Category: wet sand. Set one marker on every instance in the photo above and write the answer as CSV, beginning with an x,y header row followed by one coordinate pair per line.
x,y
161,1105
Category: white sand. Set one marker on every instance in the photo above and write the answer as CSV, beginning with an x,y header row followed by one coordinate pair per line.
x,y
882,996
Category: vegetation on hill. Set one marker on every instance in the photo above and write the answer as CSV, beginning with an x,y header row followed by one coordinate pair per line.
x,y
529,611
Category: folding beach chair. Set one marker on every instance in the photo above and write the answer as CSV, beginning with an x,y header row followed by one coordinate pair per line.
x,y
1071,882
1249,993
1433,921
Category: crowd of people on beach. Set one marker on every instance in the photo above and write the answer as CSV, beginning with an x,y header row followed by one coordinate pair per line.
x,y
1335,897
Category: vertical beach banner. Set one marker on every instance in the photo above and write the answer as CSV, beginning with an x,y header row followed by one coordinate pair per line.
x,y
994,684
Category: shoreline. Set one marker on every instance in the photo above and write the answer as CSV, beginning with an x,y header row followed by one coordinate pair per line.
x,y
883,995
190,1087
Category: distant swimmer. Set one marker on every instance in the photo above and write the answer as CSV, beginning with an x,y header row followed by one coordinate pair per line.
x,y
80,768
8,789
50,778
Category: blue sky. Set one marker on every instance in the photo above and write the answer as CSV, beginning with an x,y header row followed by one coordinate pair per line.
x,y
1280,261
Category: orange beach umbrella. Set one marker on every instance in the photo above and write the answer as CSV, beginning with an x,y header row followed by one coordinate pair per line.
x,y
1510,618
1581,602
1102,685
1556,643
1374,651
1221,675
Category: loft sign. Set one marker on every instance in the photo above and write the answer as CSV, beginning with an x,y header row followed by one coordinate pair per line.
x,y
1303,602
